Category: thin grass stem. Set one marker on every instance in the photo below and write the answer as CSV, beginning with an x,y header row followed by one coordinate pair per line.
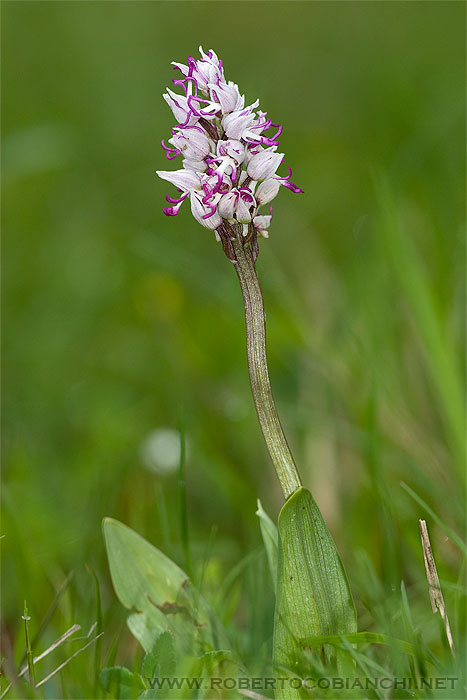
x,y
29,654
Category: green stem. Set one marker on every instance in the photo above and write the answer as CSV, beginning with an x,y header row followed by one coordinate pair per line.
x,y
258,368
29,654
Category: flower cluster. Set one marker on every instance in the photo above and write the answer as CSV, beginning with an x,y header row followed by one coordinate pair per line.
x,y
229,163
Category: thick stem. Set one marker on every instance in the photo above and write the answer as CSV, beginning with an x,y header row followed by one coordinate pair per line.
x,y
257,364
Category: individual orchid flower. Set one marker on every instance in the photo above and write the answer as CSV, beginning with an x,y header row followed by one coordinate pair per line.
x,y
228,96
228,151
236,124
261,224
206,214
233,149
239,203
192,142
230,154
204,71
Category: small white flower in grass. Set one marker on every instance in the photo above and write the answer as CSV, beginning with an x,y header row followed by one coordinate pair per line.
x,y
160,451
229,151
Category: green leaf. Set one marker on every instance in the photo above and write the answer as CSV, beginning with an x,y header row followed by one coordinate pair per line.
x,y
365,638
160,595
160,661
121,683
270,539
313,594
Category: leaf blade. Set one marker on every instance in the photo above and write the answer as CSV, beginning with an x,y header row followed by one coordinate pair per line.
x,y
313,594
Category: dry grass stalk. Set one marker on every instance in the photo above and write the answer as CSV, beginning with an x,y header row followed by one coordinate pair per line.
x,y
436,596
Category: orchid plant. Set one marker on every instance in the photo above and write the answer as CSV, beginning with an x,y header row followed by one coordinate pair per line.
x,y
229,171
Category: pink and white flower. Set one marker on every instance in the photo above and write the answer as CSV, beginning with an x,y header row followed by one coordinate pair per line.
x,y
229,155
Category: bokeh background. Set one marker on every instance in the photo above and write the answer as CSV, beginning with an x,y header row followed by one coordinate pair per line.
x,y
121,325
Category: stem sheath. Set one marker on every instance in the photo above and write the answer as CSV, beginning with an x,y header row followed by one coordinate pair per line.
x,y
258,369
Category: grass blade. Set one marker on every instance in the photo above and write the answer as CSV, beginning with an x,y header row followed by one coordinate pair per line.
x,y
450,533
440,360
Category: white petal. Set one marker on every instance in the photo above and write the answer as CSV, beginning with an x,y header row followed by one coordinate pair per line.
x,y
186,180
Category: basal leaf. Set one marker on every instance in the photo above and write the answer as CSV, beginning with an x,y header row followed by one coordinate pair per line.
x,y
159,594
313,595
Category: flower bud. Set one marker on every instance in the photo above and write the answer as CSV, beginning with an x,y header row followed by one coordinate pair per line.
x,y
267,190
264,165
208,69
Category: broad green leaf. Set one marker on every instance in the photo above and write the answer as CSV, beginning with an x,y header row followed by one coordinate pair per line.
x,y
121,682
313,594
270,539
159,594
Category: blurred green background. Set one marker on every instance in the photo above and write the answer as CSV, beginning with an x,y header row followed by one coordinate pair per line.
x,y
120,323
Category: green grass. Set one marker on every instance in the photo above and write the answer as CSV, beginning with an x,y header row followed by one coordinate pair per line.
x,y
115,317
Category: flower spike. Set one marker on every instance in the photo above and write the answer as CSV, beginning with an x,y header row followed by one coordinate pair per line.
x,y
229,162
